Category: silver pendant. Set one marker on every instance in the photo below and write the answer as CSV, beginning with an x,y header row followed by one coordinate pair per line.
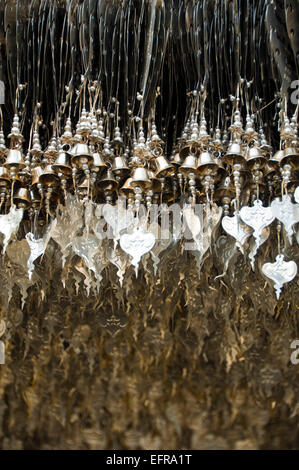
x,y
136,244
258,217
237,229
280,272
37,248
254,246
120,260
194,224
163,240
118,217
9,224
287,213
86,247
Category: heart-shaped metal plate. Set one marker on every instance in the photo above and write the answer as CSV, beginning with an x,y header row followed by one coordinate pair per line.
x,y
118,217
258,217
9,224
280,272
237,229
287,213
136,244
37,248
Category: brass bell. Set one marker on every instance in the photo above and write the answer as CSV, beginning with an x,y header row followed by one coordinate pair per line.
x,y
140,178
184,151
274,160
120,166
269,168
207,165
81,155
277,156
98,162
127,189
21,198
84,187
177,161
255,159
221,171
291,156
108,182
36,173
234,154
4,177
63,164
15,159
48,176
164,168
189,165
35,197
156,182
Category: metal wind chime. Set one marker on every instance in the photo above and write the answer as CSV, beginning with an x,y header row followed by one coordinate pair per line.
x,y
222,166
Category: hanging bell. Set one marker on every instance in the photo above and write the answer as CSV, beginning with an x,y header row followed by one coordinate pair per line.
x,y
21,198
164,168
234,154
63,164
189,165
184,151
278,156
84,187
270,168
255,159
156,182
108,182
48,176
141,178
120,166
14,159
81,155
221,171
36,173
126,190
176,160
35,197
274,160
291,156
98,162
4,177
207,165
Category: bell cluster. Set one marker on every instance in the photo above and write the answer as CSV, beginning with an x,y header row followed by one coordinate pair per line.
x,y
95,160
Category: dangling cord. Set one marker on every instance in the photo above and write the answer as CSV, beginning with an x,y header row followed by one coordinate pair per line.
x,y
278,236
